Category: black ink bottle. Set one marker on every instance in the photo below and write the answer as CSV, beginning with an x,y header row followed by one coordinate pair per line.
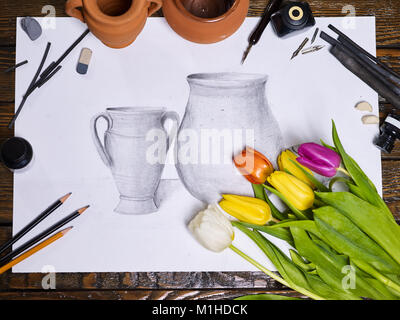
x,y
389,133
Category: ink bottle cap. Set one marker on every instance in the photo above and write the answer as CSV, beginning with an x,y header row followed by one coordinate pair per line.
x,y
390,132
16,153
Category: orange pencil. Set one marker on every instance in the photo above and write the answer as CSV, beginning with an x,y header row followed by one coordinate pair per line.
x,y
35,249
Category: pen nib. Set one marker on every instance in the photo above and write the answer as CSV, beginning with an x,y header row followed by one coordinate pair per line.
x,y
246,53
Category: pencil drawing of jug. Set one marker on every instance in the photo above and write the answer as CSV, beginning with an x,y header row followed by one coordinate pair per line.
x,y
127,151
226,111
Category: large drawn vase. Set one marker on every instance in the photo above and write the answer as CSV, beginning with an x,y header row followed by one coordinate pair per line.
x,y
224,112
133,134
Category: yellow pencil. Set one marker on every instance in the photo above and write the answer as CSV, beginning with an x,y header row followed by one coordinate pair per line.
x,y
35,249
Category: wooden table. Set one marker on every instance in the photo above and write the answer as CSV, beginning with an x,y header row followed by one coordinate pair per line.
x,y
193,285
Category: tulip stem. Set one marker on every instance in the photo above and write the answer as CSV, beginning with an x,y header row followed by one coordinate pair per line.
x,y
341,169
259,266
273,275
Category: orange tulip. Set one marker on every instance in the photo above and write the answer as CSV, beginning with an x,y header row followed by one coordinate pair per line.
x,y
253,165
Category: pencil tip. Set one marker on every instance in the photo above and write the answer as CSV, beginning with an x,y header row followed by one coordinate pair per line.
x,y
64,198
81,210
66,230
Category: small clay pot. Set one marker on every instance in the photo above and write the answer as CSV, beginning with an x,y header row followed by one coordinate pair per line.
x,y
205,21
116,23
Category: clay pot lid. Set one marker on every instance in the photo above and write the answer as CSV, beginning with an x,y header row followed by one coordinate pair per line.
x,y
97,14
182,8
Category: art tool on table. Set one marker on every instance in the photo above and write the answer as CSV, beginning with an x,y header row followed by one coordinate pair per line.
x,y
365,66
46,75
35,249
54,64
58,203
31,27
42,235
292,17
15,66
16,153
363,54
84,60
31,85
302,45
314,35
389,133
255,36
312,49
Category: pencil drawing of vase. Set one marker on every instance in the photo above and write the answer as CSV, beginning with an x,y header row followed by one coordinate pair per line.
x,y
224,113
127,141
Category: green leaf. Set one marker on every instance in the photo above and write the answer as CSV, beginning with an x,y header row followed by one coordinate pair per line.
x,y
258,190
307,284
281,233
314,180
266,297
327,145
366,187
356,191
388,281
368,219
328,266
274,210
344,236
300,262
307,225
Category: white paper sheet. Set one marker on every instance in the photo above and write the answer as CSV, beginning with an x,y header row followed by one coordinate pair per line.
x,y
305,94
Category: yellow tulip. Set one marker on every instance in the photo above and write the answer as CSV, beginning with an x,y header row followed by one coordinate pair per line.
x,y
246,209
285,164
298,193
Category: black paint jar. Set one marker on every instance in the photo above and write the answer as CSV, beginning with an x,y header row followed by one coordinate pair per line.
x,y
16,153
292,17
389,133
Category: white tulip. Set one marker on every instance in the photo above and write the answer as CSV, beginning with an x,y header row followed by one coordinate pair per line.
x,y
212,229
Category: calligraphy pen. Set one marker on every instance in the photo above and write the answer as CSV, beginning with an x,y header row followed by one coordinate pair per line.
x,y
273,6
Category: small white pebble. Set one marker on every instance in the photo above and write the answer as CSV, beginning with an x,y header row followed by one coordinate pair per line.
x,y
370,119
364,106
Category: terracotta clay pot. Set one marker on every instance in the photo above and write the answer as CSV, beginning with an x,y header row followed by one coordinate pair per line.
x,y
194,20
116,23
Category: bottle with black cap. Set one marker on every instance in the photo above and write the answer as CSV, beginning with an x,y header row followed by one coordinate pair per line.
x,y
293,16
16,153
390,131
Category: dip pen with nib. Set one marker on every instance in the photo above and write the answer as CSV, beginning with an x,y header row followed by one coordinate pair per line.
x,y
273,6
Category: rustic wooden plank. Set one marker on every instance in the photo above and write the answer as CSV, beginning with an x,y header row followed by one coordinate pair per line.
x,y
142,280
387,13
7,59
138,294
391,186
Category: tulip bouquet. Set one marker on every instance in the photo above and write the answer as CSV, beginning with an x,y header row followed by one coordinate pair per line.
x,y
345,245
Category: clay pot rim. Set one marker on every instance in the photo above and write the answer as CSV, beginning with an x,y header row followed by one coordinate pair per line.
x,y
99,15
190,15
227,79
136,110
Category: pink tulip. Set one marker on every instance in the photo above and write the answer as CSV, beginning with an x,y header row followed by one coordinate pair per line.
x,y
319,159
